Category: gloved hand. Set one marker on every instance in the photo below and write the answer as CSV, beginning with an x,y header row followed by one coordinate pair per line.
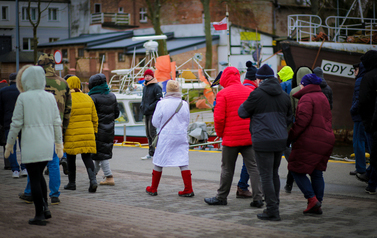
x,y
59,150
8,150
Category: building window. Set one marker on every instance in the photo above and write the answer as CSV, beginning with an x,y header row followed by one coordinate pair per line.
x,y
81,52
120,10
142,63
53,14
143,14
28,44
97,8
65,53
102,56
4,13
33,13
121,57
53,39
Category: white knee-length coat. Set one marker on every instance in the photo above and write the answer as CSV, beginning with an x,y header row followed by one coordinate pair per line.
x,y
172,147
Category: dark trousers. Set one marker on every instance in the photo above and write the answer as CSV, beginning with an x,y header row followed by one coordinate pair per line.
x,y
290,179
228,163
268,165
37,185
150,130
71,160
313,187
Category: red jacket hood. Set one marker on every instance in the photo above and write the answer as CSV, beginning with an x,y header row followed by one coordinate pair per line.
x,y
230,76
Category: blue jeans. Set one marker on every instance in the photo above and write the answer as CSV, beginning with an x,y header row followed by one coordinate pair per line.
x,y
54,177
315,187
13,157
244,178
360,143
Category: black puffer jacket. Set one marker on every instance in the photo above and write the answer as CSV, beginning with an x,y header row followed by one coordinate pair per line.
x,y
107,111
152,93
324,86
269,108
368,87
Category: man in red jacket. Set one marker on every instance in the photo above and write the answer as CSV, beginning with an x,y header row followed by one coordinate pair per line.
x,y
236,137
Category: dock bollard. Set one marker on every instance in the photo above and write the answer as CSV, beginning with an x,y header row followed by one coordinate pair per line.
x,y
124,133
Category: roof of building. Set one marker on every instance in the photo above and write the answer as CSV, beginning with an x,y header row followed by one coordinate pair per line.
x,y
123,40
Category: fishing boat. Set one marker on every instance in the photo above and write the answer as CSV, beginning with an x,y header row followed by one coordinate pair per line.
x,y
334,50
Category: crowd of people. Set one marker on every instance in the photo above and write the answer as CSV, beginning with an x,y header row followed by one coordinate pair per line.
x,y
263,118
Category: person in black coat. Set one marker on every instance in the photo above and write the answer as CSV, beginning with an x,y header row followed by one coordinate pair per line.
x,y
324,86
107,111
152,93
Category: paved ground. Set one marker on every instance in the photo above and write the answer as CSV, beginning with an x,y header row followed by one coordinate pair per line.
x,y
125,210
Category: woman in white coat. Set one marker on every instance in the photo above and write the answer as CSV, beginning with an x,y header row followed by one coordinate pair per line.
x,y
37,115
172,146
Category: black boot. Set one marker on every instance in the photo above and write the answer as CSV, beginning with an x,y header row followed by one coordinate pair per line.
x,y
72,181
93,181
46,211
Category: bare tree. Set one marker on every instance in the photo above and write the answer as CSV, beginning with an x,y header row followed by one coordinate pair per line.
x,y
207,30
35,25
154,11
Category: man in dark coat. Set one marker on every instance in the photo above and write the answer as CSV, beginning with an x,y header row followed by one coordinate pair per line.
x,y
8,98
152,93
269,108
107,111
367,110
324,86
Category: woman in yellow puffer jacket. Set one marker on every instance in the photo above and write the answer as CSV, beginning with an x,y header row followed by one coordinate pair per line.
x,y
79,137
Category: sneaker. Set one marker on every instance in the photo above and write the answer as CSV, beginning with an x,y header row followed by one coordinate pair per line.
x,y
370,190
55,200
146,157
24,173
288,188
16,174
26,198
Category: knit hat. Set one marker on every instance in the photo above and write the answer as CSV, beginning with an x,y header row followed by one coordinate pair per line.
x,y
12,77
319,72
251,71
264,72
172,86
149,72
311,79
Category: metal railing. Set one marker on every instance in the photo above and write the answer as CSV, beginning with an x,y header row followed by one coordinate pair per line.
x,y
117,18
307,26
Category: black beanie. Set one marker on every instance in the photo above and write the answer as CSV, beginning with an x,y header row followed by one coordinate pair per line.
x,y
264,72
12,76
251,71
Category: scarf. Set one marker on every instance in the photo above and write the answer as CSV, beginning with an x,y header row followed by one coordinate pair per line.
x,y
102,89
154,80
174,94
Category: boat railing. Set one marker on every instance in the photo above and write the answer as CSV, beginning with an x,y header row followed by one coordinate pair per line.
x,y
337,28
302,25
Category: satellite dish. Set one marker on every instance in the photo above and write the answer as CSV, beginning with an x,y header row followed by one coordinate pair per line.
x,y
198,56
143,38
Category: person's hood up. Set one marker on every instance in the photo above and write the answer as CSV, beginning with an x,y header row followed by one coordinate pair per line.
x,y
30,78
286,73
361,70
47,62
271,86
369,60
319,72
96,80
74,82
300,72
230,76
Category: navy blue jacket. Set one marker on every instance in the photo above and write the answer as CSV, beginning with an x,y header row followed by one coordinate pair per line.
x,y
269,108
152,93
355,98
8,98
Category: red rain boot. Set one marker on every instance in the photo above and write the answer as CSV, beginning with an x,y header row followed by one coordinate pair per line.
x,y
156,176
187,192
313,204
